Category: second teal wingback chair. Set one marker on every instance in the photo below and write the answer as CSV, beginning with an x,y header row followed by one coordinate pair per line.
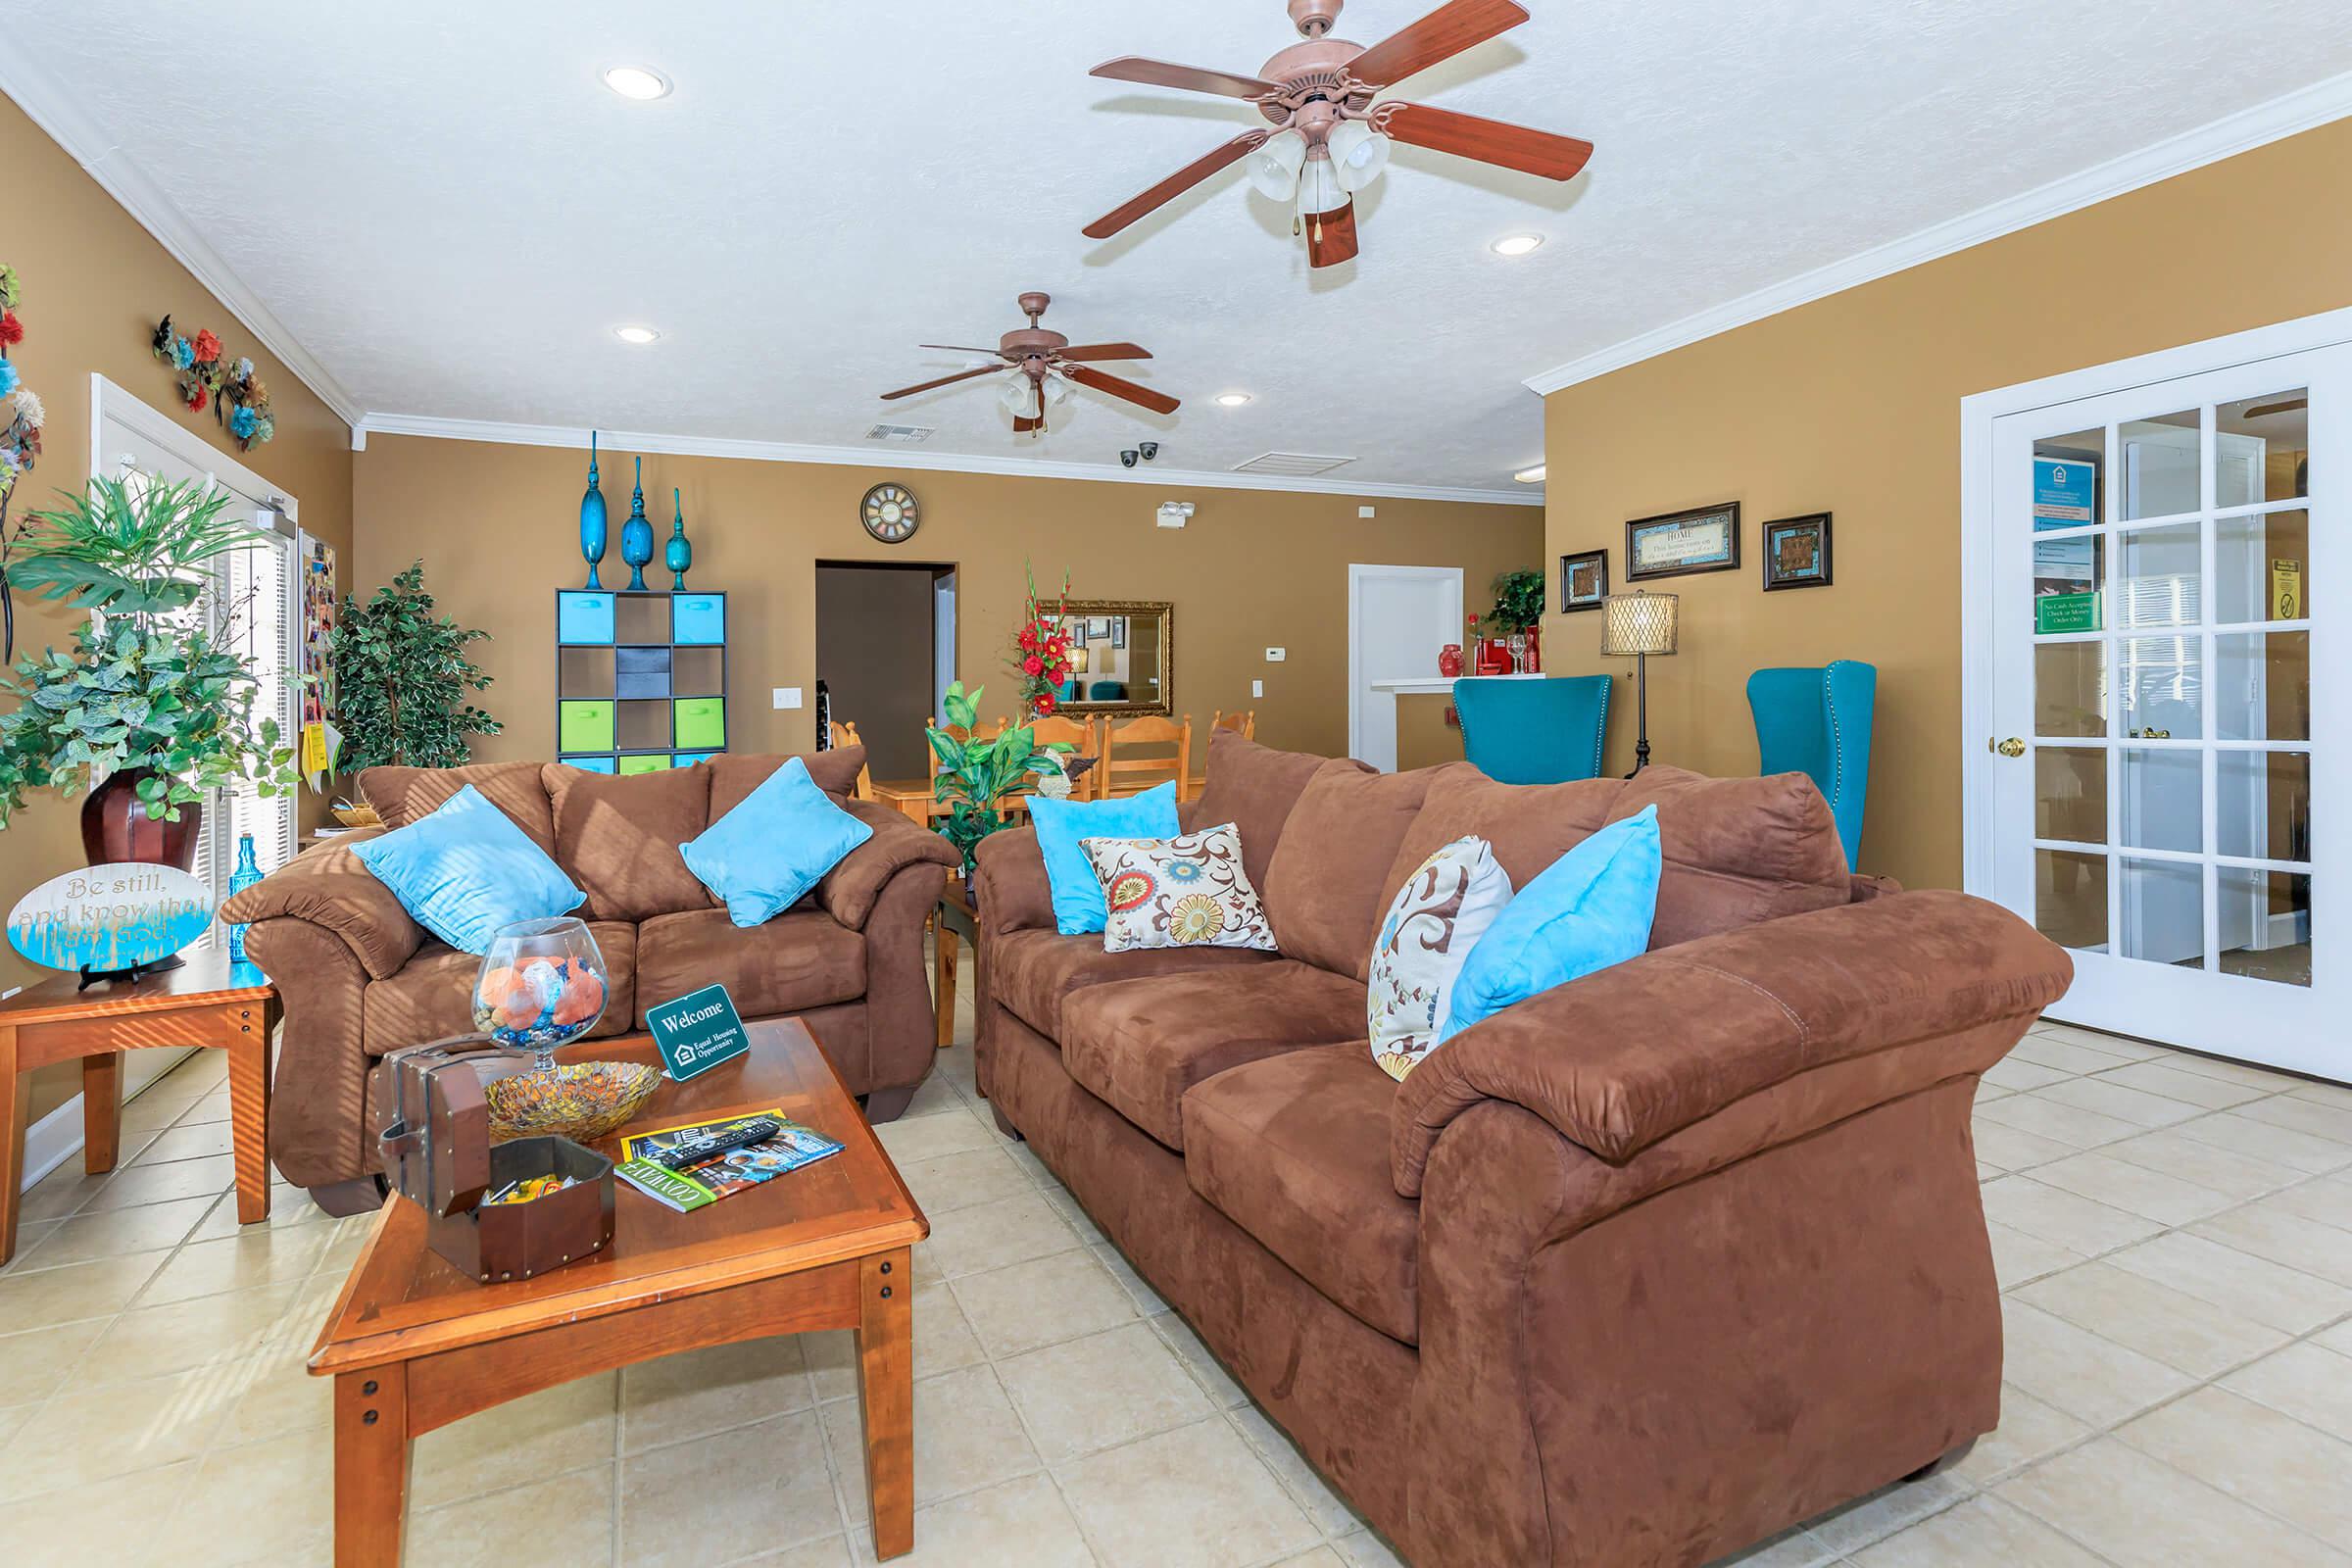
x,y
1816,723
1534,731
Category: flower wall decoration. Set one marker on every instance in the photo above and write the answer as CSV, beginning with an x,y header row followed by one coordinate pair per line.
x,y
1041,651
209,378
21,419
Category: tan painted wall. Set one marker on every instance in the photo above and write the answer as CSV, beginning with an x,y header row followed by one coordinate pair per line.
x,y
1424,738
94,282
1851,405
496,527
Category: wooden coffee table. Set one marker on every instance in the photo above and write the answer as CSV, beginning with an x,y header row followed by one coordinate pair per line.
x,y
413,1345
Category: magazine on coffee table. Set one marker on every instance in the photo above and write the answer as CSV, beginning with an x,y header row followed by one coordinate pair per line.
x,y
739,1170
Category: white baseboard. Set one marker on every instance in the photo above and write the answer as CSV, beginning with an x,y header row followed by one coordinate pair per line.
x,y
57,1137
2286,928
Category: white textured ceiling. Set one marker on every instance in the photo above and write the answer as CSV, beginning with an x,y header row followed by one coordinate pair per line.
x,y
447,211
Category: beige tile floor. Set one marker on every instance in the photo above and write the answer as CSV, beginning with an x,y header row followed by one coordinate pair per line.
x,y
2174,1236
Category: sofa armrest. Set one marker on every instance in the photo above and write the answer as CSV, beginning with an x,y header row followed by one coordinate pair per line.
x,y
329,887
1010,886
850,890
1625,1058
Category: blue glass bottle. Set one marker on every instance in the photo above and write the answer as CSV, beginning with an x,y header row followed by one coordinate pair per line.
x,y
679,556
247,873
637,535
592,517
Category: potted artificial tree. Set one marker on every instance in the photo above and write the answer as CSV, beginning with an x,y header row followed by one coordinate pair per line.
x,y
402,679
151,710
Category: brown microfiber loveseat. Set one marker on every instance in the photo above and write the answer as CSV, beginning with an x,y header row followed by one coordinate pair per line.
x,y
361,978
1639,1271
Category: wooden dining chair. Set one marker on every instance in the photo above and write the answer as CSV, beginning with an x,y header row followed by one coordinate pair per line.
x,y
1243,723
840,733
1080,733
1126,774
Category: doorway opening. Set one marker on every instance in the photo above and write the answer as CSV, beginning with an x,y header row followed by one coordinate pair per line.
x,y
885,650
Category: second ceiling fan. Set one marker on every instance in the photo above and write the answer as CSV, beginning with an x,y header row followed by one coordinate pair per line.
x,y
1329,139
1044,364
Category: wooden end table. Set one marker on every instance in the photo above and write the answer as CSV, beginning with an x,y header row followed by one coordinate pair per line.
x,y
955,918
413,1345
206,1002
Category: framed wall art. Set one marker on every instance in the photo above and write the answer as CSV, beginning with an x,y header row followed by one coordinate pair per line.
x,y
1680,543
1796,551
1584,580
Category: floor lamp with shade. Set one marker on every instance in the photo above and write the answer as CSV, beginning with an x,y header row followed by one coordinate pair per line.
x,y
1638,624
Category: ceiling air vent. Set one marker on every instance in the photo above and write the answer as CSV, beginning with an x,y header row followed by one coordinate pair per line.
x,y
906,435
1292,464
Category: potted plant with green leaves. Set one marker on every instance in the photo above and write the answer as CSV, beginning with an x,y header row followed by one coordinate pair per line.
x,y
1518,616
152,708
975,774
402,680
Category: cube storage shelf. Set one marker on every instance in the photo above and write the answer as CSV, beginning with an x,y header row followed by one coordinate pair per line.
x,y
641,679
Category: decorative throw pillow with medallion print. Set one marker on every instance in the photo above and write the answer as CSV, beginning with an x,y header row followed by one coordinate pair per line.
x,y
1185,892
1436,918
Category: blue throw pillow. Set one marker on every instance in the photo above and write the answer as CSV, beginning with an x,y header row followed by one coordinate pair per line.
x,y
467,869
779,841
1590,909
1078,904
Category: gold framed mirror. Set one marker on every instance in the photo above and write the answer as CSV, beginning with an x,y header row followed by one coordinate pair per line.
x,y
1122,652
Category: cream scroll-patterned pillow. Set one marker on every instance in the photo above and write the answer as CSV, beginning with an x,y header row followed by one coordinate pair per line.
x,y
1185,892
1436,918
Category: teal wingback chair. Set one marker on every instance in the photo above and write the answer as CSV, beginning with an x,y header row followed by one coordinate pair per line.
x,y
1816,723
1534,731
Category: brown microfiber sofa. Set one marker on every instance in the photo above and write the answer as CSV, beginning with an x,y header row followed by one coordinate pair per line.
x,y
1639,1271
359,978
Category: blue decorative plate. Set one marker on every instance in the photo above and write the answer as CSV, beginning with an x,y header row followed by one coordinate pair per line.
x,y
110,916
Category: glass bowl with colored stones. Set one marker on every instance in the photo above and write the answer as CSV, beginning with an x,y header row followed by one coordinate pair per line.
x,y
542,985
582,1101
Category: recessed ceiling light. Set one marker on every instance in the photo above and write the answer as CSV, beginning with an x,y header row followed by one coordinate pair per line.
x,y
637,83
1516,244
635,334
1232,400
1534,476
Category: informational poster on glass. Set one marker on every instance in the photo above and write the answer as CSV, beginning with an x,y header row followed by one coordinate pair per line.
x,y
2066,493
2066,585
320,738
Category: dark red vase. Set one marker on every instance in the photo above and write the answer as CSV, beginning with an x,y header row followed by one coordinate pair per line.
x,y
115,826
1450,660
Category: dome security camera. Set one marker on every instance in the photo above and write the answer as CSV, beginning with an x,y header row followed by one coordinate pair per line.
x,y
1128,458
1149,450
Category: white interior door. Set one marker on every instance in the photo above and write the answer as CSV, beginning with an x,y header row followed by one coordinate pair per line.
x,y
2167,696
1398,618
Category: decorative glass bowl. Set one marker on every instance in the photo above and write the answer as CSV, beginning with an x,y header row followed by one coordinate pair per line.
x,y
542,985
582,1100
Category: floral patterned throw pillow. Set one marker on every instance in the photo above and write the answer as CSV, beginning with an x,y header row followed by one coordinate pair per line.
x,y
1436,918
1185,892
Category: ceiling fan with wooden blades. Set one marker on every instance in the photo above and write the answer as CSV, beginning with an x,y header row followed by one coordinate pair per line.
x,y
1328,139
1039,365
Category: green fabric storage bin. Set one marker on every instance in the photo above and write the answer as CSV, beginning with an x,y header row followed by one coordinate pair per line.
x,y
644,765
584,726
702,723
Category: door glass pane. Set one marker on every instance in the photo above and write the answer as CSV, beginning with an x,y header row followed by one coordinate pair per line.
x,y
2070,897
2070,689
2157,576
2262,567
2160,466
2262,805
2164,912
2070,794
2266,925
2164,798
2066,583
2163,686
2066,480
2262,686
2281,422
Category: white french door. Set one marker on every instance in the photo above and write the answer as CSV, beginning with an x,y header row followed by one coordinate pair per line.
x,y
2159,671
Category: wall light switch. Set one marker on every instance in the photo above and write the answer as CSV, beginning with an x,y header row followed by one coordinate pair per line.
x,y
1275,656
1367,512
787,696
1258,688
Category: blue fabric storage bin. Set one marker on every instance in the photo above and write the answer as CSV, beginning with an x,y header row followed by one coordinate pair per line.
x,y
592,764
583,617
699,618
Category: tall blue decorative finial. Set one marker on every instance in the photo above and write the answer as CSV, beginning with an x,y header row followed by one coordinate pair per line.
x,y
592,517
679,554
637,535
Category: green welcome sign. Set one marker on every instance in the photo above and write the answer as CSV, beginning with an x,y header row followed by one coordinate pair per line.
x,y
697,1032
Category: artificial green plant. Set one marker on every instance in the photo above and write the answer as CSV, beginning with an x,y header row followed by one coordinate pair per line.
x,y
402,679
976,774
1518,600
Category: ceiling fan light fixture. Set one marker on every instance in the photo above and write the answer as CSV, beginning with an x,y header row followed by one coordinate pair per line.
x,y
1319,188
1516,244
1359,154
1016,396
1056,390
1274,167
637,83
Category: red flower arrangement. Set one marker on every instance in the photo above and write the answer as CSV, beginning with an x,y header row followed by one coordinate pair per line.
x,y
1041,649
12,331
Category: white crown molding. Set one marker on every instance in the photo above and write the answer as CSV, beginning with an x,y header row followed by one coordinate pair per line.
x,y
880,456
2302,110
39,94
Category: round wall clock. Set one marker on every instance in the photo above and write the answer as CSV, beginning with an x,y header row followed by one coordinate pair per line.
x,y
891,513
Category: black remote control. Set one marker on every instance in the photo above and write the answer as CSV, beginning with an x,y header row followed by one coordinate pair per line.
x,y
703,1148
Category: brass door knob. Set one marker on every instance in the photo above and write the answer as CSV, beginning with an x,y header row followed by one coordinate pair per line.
x,y
2012,747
